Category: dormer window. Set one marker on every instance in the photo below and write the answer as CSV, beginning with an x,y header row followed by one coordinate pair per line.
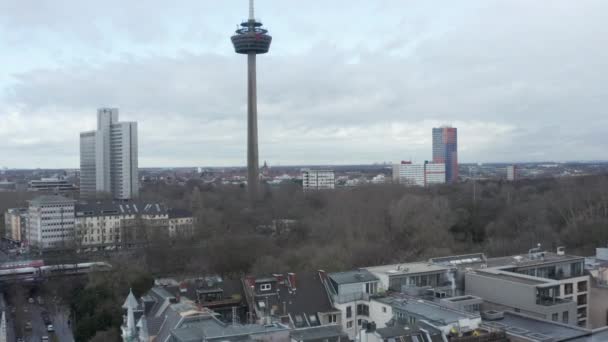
x,y
265,287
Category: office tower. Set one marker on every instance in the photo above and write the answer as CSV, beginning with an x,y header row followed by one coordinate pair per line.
x,y
445,150
251,39
425,174
317,179
108,157
50,222
511,172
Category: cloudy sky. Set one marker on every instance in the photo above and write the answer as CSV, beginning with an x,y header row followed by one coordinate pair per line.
x,y
344,82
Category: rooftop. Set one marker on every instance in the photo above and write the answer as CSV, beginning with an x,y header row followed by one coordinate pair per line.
x,y
111,208
408,268
525,260
515,277
431,312
211,328
535,329
330,333
352,277
45,199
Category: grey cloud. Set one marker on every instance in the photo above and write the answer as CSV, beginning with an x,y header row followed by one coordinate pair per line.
x,y
521,80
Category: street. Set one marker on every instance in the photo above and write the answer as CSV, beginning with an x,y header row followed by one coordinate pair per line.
x,y
59,317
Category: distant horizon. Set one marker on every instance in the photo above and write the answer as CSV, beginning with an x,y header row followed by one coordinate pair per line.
x,y
599,161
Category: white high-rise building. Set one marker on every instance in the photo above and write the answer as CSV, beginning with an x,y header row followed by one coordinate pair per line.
x,y
108,157
50,222
511,172
419,174
317,179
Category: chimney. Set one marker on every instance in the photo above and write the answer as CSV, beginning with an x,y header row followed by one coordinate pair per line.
x,y
292,280
250,280
280,278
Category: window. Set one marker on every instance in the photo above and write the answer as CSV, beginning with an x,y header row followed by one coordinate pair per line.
x,y
581,286
567,289
555,317
363,310
349,324
349,312
565,318
384,309
265,287
332,318
581,313
581,299
370,288
359,322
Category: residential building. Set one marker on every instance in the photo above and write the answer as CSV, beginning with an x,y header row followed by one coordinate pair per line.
x,y
318,179
109,224
416,278
181,223
298,301
52,185
419,174
445,151
109,156
350,293
543,284
162,316
15,222
511,172
50,222
523,328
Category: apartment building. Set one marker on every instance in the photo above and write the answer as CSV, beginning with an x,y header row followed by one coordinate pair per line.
x,y
350,294
549,285
110,224
50,222
51,185
318,179
15,221
416,278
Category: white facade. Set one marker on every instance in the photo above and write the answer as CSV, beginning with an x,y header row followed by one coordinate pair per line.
x,y
50,222
419,174
318,179
511,172
109,157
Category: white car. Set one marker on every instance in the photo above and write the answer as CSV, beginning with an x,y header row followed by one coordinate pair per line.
x,y
50,328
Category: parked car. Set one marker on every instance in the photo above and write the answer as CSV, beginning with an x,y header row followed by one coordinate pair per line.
x,y
45,317
40,300
44,338
28,325
30,300
50,328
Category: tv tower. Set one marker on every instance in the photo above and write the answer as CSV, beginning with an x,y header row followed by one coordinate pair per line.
x,y
251,39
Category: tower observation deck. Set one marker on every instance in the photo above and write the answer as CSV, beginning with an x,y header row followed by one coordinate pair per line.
x,y
251,39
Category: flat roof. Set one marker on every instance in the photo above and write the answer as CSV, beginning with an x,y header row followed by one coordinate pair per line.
x,y
430,311
408,268
533,328
351,277
523,260
515,277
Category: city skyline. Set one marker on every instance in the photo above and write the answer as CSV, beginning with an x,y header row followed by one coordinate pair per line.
x,y
328,94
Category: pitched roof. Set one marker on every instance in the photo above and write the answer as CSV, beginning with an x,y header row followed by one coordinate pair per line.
x,y
130,302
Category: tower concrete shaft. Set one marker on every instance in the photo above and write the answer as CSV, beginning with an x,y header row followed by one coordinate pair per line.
x,y
253,172
251,39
